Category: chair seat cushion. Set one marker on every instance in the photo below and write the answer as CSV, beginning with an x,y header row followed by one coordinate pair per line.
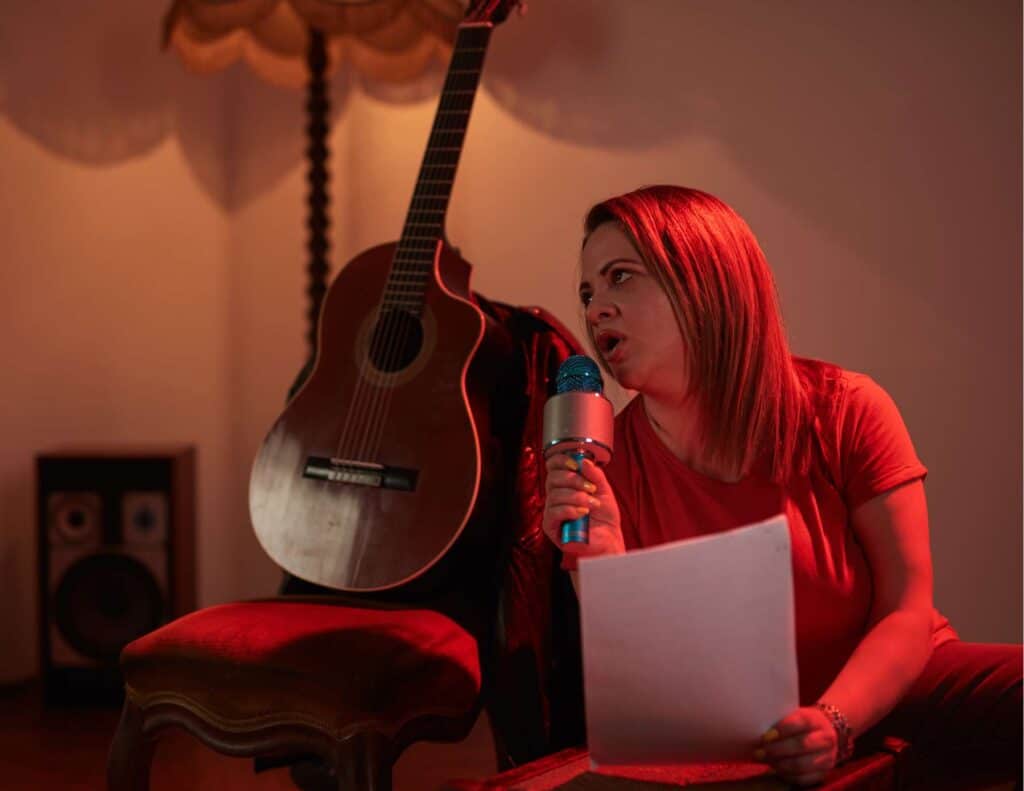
x,y
301,661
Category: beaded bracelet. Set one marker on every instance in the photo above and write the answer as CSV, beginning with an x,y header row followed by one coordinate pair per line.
x,y
843,730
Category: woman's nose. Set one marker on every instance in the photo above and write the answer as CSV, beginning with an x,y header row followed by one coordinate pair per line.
x,y
599,309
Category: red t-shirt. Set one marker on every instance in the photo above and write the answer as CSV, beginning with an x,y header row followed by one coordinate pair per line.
x,y
865,450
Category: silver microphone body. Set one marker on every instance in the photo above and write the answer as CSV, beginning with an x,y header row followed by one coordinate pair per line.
x,y
580,424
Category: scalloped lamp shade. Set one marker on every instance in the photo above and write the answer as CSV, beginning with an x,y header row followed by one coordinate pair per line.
x,y
387,40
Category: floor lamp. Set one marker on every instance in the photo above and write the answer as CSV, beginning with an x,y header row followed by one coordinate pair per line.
x,y
300,43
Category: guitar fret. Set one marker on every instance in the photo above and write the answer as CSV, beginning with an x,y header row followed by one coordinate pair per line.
x,y
413,261
446,143
408,299
414,273
406,288
461,82
462,59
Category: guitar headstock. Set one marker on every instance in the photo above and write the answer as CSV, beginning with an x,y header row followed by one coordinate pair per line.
x,y
493,11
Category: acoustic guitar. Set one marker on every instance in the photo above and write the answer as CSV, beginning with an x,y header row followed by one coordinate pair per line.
x,y
373,469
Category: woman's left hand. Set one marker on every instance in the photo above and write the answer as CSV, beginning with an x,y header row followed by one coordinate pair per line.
x,y
801,747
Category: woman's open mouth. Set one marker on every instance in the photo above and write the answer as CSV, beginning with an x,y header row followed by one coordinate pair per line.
x,y
610,344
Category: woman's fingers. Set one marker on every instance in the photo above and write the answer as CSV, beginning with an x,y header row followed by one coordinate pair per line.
x,y
569,480
574,497
805,770
799,744
565,471
574,490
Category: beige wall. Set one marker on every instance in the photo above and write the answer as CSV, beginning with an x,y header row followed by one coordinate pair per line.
x,y
152,238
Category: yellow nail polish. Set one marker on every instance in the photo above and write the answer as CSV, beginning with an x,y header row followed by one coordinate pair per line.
x,y
589,487
759,754
594,502
583,511
770,735
572,465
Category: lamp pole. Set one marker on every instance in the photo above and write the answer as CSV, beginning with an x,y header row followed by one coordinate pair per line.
x,y
318,200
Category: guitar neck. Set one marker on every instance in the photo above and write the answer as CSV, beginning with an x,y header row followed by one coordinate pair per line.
x,y
424,224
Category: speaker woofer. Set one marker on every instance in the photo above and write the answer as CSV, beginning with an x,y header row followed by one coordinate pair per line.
x,y
104,602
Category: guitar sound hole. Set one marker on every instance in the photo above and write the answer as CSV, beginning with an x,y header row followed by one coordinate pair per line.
x,y
397,339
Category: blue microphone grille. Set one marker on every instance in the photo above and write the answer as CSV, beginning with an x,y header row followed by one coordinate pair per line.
x,y
579,374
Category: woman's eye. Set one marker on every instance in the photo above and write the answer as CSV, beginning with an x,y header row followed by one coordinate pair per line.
x,y
619,276
585,298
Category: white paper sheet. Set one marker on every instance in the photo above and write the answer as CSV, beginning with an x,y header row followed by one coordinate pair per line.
x,y
689,648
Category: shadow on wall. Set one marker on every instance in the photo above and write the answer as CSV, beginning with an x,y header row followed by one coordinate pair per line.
x,y
92,84
803,95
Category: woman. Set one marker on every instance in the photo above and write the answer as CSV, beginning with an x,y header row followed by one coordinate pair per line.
x,y
729,428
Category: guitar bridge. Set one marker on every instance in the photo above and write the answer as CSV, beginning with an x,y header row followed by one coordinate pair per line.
x,y
360,473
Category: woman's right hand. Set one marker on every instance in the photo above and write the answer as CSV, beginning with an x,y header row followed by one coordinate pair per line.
x,y
571,492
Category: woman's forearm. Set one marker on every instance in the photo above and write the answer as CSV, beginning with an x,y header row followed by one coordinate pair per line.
x,y
881,669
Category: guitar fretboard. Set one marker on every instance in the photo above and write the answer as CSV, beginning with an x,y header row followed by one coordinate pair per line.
x,y
424,224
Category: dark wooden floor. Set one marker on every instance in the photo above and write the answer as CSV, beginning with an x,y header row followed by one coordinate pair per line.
x,y
66,748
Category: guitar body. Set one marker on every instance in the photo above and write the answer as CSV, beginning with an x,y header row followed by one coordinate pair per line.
x,y
386,401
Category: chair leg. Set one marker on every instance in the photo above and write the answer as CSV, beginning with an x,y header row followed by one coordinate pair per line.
x,y
363,762
131,753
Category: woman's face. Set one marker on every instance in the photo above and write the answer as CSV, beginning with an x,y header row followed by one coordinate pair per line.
x,y
630,317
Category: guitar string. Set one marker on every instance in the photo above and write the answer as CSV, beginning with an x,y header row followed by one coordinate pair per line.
x,y
354,417
373,420
420,211
354,439
446,129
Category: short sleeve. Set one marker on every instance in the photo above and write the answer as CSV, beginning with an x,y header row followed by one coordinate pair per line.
x,y
875,450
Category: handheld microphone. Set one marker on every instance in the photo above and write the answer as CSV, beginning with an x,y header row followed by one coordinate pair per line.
x,y
578,421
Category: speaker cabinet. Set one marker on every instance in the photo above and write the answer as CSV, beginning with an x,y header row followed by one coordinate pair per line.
x,y
116,560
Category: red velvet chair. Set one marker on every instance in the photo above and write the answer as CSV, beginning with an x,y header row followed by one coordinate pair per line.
x,y
299,676
351,681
